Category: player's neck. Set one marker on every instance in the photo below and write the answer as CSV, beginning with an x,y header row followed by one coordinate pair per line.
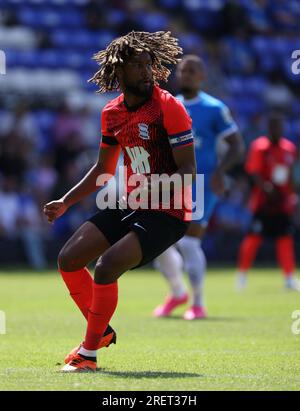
x,y
132,101
275,141
191,94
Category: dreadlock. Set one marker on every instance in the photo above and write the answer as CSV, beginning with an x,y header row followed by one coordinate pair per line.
x,y
162,47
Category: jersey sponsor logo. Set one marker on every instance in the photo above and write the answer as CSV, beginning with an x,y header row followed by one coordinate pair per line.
x,y
143,131
139,159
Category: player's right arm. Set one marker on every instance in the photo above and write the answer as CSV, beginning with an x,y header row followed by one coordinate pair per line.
x,y
108,156
106,164
255,164
226,132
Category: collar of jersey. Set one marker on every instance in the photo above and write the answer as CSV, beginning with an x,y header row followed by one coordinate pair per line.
x,y
137,106
192,101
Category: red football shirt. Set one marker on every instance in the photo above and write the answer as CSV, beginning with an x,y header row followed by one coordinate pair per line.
x,y
147,135
273,163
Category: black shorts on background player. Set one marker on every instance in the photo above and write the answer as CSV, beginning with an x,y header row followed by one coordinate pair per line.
x,y
156,230
275,225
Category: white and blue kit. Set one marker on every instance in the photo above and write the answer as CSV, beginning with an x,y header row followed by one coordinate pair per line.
x,y
212,122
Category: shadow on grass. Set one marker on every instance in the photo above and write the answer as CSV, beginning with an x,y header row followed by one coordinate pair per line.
x,y
148,374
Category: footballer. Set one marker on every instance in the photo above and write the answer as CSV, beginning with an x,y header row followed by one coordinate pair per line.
x,y
154,131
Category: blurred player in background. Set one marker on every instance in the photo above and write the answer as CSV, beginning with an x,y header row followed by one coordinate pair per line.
x,y
153,130
212,125
273,201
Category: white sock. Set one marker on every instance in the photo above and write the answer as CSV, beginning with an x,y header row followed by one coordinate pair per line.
x,y
87,353
195,264
241,280
170,263
290,278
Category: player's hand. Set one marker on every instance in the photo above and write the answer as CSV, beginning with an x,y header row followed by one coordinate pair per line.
x,y
217,183
272,192
269,188
54,210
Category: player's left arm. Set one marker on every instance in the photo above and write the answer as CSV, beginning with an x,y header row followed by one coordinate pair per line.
x,y
234,154
184,158
293,173
235,148
178,124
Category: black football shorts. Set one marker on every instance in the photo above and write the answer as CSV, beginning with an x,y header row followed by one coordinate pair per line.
x,y
273,226
156,230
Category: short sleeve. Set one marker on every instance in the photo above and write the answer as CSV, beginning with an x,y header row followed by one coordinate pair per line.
x,y
224,123
107,137
177,122
254,161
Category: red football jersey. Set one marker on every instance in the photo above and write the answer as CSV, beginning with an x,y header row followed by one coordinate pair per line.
x,y
147,135
273,163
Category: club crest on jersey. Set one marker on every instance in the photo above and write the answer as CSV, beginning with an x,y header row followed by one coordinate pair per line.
x,y
144,132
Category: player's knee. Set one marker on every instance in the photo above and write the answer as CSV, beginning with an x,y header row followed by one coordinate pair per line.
x,y
104,270
67,261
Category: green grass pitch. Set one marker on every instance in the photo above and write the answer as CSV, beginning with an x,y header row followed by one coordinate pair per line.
x,y
245,344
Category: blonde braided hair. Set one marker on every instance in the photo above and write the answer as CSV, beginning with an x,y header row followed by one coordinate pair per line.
x,y
162,47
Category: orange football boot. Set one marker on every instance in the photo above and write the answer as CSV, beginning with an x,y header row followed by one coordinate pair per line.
x,y
80,364
109,337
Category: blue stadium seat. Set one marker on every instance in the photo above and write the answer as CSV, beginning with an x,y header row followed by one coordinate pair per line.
x,y
240,86
50,17
190,41
235,85
170,4
292,131
85,75
29,58
50,58
248,106
63,3
61,38
153,21
205,20
72,17
82,39
102,38
296,108
296,130
260,44
29,17
265,53
12,57
201,5
75,60
115,17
